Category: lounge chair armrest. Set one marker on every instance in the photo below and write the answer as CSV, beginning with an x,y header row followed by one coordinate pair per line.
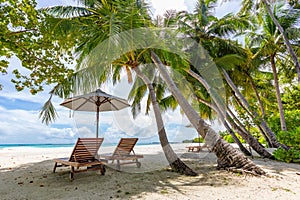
x,y
133,152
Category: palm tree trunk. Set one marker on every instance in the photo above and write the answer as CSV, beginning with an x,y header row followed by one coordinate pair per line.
x,y
228,157
270,144
175,163
231,132
262,122
286,40
252,141
221,109
279,102
261,106
236,140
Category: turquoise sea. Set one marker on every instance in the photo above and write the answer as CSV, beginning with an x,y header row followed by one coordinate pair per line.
x,y
35,145
64,145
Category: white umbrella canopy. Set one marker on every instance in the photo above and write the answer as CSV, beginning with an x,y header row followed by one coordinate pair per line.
x,y
97,101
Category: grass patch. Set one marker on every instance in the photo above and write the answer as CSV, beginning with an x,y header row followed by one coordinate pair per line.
x,y
164,192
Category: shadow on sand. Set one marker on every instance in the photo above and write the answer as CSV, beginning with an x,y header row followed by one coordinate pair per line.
x,y
36,180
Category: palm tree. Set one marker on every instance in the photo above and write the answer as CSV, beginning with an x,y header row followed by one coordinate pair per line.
x,y
262,122
225,114
227,155
98,21
271,47
286,40
175,163
223,150
211,33
120,45
248,7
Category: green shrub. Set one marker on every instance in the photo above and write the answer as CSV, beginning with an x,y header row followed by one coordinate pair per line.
x,y
257,134
262,140
292,119
290,138
292,155
228,138
187,141
198,140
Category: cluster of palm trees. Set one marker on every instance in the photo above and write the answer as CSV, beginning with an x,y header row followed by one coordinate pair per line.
x,y
224,76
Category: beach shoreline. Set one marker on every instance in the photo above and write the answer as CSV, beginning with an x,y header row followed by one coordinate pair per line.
x,y
26,173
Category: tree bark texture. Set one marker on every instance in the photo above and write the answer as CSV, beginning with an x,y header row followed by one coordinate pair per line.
x,y
261,106
261,129
278,97
221,110
252,141
236,140
228,157
231,132
262,122
175,163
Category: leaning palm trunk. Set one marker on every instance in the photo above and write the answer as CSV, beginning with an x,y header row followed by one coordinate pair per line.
x,y
236,139
175,163
286,40
260,103
279,102
262,122
221,110
231,132
228,157
259,126
252,141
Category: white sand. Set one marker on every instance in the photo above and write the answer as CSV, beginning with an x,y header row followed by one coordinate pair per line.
x,y
26,173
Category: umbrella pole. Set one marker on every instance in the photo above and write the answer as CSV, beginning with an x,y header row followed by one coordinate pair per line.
x,y
97,127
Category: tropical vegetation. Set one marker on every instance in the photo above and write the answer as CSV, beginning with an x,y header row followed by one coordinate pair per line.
x,y
242,68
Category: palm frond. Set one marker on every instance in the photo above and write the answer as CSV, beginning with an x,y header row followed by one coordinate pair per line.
x,y
247,7
170,18
168,102
148,104
229,25
67,11
48,112
229,61
136,95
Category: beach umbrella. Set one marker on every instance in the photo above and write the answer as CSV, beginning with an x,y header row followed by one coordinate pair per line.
x,y
97,101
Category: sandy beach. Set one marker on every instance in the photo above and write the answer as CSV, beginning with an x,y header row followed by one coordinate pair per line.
x,y
26,173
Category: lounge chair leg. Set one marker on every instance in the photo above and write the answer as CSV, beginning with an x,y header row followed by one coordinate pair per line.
x,y
138,164
72,173
54,168
118,165
102,169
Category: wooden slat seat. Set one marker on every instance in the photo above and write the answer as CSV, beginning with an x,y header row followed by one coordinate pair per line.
x,y
192,148
197,148
84,154
124,153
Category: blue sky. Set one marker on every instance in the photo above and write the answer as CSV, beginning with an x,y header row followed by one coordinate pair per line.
x,y
19,122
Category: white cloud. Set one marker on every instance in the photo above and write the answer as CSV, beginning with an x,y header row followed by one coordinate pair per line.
x,y
224,8
160,6
21,126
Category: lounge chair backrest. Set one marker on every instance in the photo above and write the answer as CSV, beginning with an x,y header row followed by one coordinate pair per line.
x,y
85,149
125,146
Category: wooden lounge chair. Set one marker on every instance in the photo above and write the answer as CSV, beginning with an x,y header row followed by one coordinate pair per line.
x,y
124,153
192,148
84,155
197,148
